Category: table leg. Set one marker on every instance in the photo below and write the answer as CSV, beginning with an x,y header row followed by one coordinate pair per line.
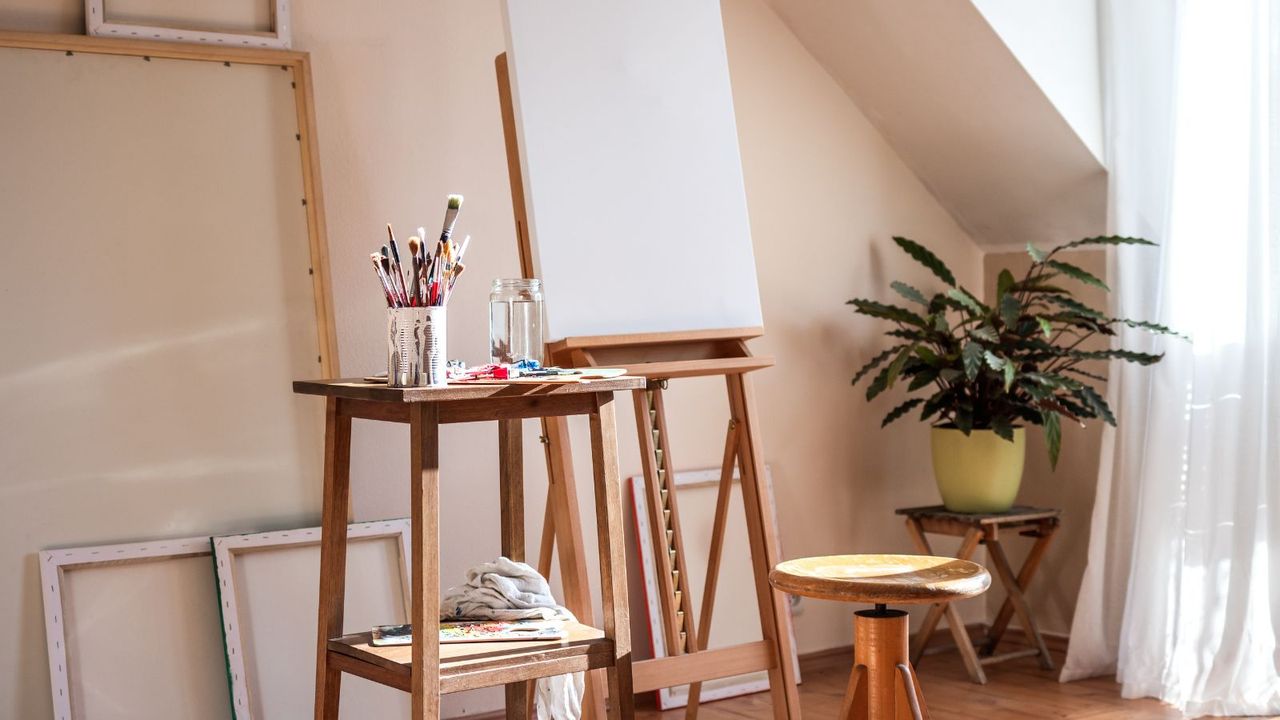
x,y
562,500
935,614
613,561
1020,606
1043,534
333,554
519,695
424,449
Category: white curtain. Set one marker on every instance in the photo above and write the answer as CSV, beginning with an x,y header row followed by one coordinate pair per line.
x,y
1181,598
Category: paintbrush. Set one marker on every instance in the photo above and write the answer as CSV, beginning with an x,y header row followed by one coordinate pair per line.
x,y
463,249
415,259
453,278
395,264
382,278
385,265
390,269
450,217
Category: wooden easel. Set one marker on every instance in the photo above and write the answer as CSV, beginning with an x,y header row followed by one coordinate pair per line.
x,y
659,357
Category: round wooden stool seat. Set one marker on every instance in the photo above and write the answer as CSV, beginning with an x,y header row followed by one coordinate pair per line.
x,y
883,685
881,579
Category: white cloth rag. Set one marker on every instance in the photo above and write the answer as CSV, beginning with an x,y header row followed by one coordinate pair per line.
x,y
508,590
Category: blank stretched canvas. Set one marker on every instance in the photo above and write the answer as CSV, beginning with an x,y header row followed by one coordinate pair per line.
x,y
632,178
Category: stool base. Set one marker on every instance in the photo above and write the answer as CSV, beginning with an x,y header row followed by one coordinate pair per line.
x,y
883,685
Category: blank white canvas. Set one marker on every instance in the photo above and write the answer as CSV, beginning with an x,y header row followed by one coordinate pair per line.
x,y
629,150
276,597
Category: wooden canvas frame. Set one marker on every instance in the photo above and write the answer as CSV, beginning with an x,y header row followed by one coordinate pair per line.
x,y
299,64
227,548
98,24
53,566
671,697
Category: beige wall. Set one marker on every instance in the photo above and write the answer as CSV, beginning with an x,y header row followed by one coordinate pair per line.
x,y
1071,486
407,112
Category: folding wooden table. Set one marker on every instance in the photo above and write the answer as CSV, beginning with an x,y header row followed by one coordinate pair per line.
x,y
427,669
986,529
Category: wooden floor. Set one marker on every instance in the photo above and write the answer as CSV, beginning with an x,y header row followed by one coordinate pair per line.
x,y
1017,689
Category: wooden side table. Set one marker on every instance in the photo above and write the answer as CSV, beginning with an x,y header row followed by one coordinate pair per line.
x,y
985,529
426,669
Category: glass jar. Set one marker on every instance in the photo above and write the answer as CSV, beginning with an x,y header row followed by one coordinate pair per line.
x,y
515,320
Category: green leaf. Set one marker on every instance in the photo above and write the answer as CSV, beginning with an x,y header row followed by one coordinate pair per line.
x,y
1085,373
1105,240
1009,372
923,378
909,292
1001,427
1150,326
1003,283
968,301
995,362
1076,307
1045,327
1078,273
901,410
972,358
874,362
985,333
1126,355
1053,437
871,308
1010,310
927,355
922,255
888,374
937,402
1036,253
950,374
1097,403
907,334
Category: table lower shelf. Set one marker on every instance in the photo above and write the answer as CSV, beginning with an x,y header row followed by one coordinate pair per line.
x,y
465,666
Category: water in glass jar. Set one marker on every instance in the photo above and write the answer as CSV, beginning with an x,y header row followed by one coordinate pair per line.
x,y
515,330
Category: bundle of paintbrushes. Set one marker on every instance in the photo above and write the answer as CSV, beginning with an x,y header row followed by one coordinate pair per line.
x,y
429,278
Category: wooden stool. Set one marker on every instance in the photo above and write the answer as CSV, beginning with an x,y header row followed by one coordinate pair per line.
x,y
883,685
985,529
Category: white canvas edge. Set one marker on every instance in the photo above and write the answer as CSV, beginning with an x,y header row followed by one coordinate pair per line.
x,y
676,697
226,547
51,564
281,36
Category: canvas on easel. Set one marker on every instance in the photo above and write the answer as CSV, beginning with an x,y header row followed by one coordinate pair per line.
x,y
629,206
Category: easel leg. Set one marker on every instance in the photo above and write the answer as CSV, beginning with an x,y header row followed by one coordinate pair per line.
x,y
424,493
1020,606
519,696
713,557
613,560
1044,533
775,612
333,554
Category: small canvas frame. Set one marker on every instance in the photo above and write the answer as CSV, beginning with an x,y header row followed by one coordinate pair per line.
x,y
54,564
228,550
99,24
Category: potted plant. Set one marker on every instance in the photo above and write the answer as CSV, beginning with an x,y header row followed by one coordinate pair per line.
x,y
981,372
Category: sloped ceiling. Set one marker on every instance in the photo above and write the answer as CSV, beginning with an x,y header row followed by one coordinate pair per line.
x,y
962,111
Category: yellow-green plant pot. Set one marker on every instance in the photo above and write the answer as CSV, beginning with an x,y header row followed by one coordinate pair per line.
x,y
980,472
